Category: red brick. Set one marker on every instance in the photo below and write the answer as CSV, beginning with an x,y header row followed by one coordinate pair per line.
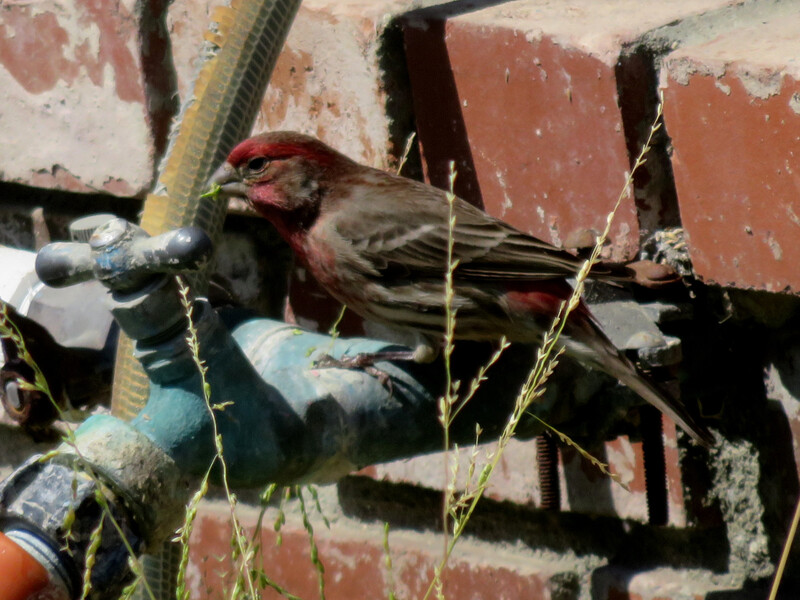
x,y
329,80
354,562
584,489
589,491
523,96
515,478
658,584
74,114
732,108
676,506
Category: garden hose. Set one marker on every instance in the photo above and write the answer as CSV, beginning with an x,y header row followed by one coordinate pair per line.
x,y
240,49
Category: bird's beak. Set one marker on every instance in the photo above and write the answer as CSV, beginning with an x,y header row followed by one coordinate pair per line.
x,y
229,182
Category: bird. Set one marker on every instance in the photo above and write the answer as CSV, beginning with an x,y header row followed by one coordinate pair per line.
x,y
378,243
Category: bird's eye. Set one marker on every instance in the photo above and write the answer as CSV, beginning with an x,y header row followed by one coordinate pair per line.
x,y
256,164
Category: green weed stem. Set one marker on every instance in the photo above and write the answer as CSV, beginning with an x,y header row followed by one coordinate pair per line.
x,y
243,549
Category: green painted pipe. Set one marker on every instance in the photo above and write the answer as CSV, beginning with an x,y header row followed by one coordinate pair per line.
x,y
286,421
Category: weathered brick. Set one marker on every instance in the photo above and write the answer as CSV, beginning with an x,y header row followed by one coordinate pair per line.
x,y
732,108
676,504
588,491
523,96
584,489
333,78
73,102
515,478
354,562
781,384
614,583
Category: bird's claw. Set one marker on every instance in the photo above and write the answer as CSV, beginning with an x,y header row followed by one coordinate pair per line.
x,y
359,361
365,362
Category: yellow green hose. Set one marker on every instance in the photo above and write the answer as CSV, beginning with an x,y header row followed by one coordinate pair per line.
x,y
221,111
242,50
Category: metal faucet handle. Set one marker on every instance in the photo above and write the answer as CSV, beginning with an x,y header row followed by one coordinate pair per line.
x,y
123,256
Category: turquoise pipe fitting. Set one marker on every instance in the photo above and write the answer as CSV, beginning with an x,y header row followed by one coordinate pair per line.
x,y
281,419
285,420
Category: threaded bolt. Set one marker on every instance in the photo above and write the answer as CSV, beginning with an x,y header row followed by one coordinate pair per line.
x,y
655,468
547,459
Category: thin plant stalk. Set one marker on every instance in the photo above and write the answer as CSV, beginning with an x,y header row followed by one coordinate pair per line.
x,y
406,152
451,404
451,391
787,547
314,551
387,561
240,539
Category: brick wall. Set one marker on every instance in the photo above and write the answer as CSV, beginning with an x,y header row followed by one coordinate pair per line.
x,y
543,106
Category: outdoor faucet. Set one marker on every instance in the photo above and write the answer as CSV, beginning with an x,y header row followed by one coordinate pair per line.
x,y
284,420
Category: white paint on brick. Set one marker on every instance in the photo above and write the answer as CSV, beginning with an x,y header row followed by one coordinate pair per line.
x,y
84,129
761,83
339,96
759,52
541,213
91,35
76,127
598,29
774,246
681,69
794,103
724,88
623,458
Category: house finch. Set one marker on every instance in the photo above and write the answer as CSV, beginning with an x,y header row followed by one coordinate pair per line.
x,y
377,242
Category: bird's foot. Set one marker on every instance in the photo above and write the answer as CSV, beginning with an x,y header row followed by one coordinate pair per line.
x,y
366,362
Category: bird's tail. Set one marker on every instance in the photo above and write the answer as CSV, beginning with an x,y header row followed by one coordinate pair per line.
x,y
671,407
595,348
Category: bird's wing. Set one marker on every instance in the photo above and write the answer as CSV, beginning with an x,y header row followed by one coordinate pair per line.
x,y
413,242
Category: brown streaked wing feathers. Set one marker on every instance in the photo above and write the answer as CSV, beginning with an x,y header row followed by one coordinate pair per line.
x,y
414,243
